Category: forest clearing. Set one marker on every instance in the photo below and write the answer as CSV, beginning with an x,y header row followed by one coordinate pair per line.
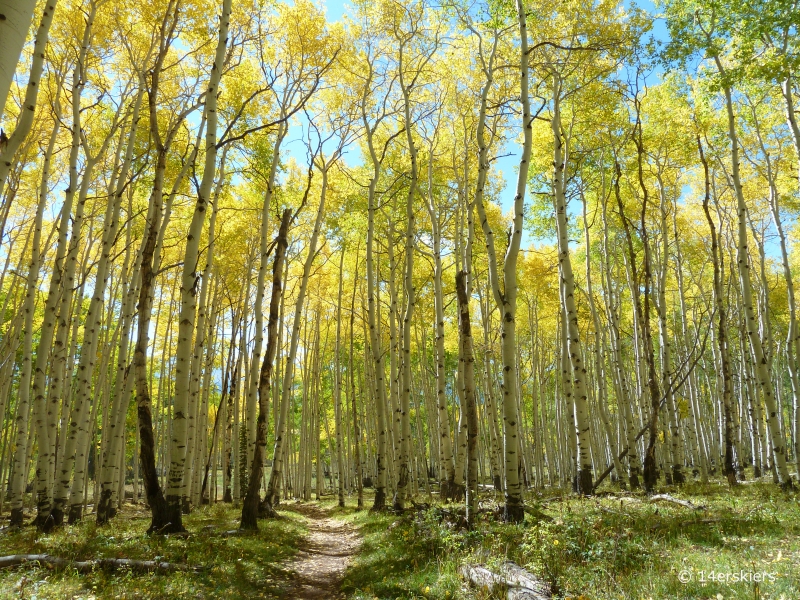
x,y
399,299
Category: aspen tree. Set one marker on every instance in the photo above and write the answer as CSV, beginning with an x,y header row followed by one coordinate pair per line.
x,y
250,504
150,252
43,504
14,13
407,82
374,339
599,345
352,387
15,20
61,279
470,408
203,348
722,329
337,384
793,332
176,488
505,289
280,450
743,268
574,347
665,343
93,319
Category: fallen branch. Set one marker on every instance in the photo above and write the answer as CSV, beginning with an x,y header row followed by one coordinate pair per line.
x,y
211,531
84,566
668,498
518,583
671,388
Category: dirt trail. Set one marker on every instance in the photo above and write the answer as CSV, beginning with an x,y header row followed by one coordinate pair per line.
x,y
321,562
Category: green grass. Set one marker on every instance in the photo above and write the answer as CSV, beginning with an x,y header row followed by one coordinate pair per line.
x,y
394,562
615,546
241,566
602,547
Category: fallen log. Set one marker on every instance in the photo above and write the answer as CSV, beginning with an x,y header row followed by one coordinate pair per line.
x,y
673,500
84,566
518,583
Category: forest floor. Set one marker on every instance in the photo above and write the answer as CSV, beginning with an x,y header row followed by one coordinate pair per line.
x,y
324,554
741,543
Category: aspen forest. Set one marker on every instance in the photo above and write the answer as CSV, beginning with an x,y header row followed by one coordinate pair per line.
x,y
399,299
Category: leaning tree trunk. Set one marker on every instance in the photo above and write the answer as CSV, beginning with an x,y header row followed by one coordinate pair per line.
x,y
55,295
23,393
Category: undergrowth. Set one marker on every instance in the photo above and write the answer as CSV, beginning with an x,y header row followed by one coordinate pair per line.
x,y
235,566
615,546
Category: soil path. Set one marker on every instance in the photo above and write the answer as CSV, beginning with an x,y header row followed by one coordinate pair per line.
x,y
321,562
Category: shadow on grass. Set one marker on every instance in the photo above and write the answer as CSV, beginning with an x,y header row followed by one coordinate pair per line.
x,y
235,566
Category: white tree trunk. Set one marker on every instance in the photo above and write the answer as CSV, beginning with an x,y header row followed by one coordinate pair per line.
x,y
15,20
743,266
579,374
24,386
176,484
7,35
278,455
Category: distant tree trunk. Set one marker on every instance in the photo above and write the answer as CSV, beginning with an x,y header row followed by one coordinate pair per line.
x,y
350,366
337,382
470,406
722,329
